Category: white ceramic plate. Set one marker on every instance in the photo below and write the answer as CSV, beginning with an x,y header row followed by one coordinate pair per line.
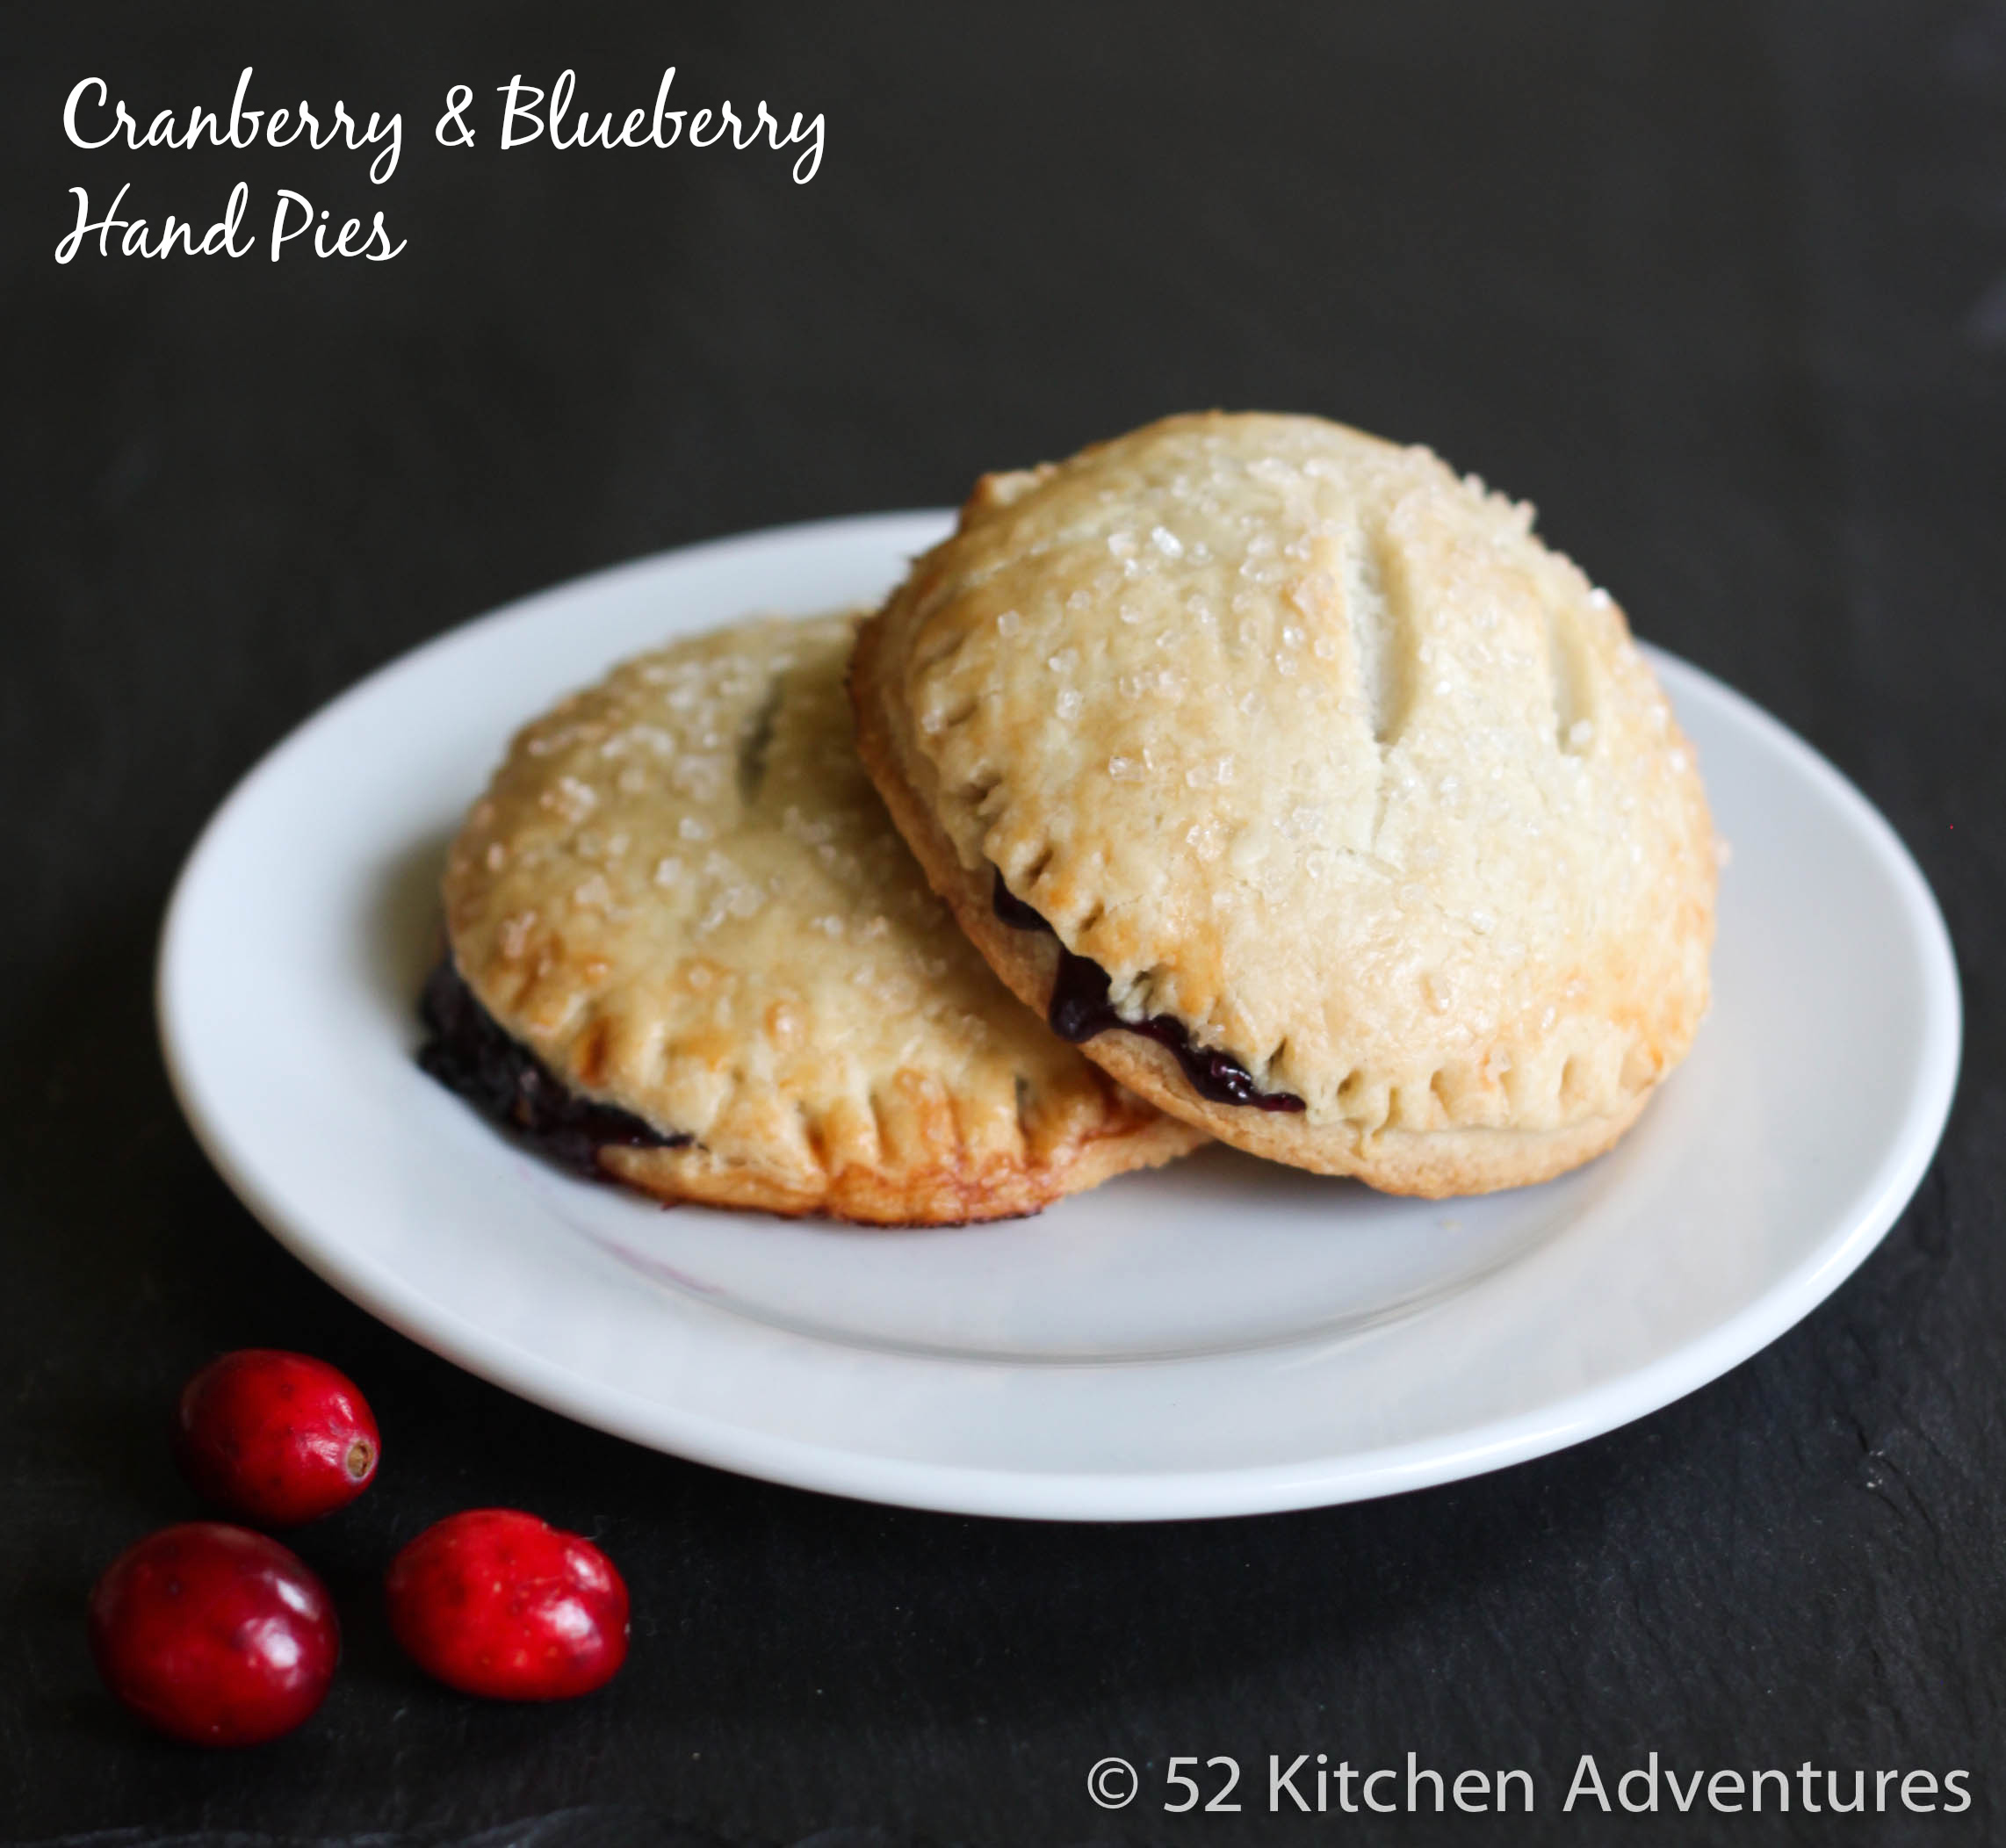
x,y
1220,1338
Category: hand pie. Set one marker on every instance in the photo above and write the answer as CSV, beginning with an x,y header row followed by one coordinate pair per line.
x,y
688,950
1307,791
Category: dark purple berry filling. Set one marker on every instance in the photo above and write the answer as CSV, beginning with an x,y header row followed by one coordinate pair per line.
x,y
1078,1009
1012,910
468,1051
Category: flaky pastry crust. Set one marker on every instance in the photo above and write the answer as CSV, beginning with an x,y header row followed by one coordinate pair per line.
x,y
1317,750
682,893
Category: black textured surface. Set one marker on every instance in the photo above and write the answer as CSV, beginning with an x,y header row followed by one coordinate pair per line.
x,y
1722,287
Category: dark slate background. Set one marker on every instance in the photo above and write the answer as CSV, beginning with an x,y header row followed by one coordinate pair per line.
x,y
1722,287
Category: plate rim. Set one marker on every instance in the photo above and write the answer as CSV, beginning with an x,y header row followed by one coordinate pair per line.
x,y
1071,1494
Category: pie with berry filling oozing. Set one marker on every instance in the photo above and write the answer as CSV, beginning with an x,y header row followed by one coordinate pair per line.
x,y
688,949
1309,793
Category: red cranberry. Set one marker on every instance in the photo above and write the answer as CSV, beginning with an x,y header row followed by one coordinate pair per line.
x,y
275,1438
215,1634
499,1603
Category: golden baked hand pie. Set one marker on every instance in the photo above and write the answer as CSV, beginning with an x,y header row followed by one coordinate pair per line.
x,y
688,949
1309,793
